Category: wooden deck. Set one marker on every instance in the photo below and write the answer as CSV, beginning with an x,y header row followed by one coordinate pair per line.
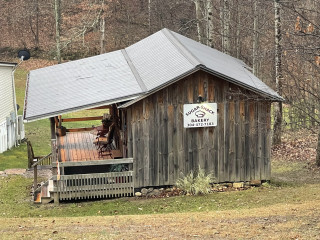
x,y
78,147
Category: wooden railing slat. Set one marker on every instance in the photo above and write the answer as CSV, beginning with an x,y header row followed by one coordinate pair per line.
x,y
81,186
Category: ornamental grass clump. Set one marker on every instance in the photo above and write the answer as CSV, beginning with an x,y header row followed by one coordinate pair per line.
x,y
194,184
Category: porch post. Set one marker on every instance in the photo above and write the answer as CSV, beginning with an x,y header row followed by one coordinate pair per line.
x,y
35,178
53,128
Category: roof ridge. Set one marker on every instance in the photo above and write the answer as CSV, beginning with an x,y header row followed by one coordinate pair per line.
x,y
134,71
181,48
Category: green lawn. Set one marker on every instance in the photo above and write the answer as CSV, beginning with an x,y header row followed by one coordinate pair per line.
x,y
287,187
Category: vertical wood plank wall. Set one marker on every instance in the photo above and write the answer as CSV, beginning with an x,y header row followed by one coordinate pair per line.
x,y
237,149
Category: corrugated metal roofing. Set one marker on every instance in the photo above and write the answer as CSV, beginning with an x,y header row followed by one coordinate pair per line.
x,y
138,70
79,84
157,60
229,67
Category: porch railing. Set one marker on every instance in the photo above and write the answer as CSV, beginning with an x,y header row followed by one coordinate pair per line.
x,y
40,160
97,185
37,162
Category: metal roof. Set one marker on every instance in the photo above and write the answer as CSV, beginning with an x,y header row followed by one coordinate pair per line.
x,y
157,60
131,73
226,66
80,84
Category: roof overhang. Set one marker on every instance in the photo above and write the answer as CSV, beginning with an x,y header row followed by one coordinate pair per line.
x,y
245,86
214,73
76,109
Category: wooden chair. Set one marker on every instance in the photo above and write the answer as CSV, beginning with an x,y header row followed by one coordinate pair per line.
x,y
103,130
105,144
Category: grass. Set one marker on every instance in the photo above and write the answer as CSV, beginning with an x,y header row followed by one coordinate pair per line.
x,y
287,207
16,202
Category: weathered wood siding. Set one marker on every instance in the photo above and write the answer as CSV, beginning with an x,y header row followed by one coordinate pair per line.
x,y
237,149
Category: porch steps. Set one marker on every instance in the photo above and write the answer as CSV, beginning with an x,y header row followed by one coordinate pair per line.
x,y
43,194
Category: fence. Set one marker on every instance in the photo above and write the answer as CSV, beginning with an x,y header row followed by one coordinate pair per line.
x,y
97,185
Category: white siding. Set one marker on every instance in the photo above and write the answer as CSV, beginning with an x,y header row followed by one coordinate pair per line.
x,y
3,136
8,118
6,93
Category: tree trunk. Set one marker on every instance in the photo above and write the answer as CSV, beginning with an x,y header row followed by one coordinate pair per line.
x,y
226,27
318,150
200,17
255,61
37,24
277,126
149,15
102,30
57,14
238,47
103,37
210,23
35,30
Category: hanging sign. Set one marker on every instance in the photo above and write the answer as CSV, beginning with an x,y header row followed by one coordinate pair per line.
x,y
200,115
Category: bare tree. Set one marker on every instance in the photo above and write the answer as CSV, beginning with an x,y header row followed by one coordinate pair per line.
x,y
102,30
225,27
35,27
277,127
238,24
149,15
200,15
255,61
57,14
210,23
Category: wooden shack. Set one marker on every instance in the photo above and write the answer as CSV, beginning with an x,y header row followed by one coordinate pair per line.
x,y
153,89
236,149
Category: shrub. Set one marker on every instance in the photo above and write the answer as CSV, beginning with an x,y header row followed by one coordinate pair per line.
x,y
195,184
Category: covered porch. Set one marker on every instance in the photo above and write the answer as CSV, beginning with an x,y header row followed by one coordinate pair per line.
x,y
87,162
82,147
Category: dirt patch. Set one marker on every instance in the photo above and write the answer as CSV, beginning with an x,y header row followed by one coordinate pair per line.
x,y
15,171
43,173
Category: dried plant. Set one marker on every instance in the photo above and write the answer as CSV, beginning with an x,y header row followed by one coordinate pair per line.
x,y
199,183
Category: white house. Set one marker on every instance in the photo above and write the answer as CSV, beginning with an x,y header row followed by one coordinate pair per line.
x,y
11,125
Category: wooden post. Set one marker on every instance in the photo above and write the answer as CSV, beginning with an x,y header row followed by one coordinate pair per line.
x,y
52,127
53,150
56,198
60,120
35,177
